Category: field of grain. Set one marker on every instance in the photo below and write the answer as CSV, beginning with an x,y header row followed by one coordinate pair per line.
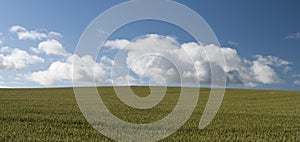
x,y
245,115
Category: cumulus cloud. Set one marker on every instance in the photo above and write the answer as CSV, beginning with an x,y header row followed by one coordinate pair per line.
x,y
49,41
60,71
117,44
162,55
24,34
161,59
264,73
49,47
16,59
274,61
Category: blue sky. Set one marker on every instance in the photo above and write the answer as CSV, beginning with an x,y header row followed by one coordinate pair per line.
x,y
266,28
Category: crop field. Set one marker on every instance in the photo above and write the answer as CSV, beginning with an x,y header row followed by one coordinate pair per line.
x,y
245,115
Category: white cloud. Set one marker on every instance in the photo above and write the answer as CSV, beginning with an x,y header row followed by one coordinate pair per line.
x,y
117,44
1,39
161,59
264,73
54,35
157,55
59,71
1,86
35,50
271,60
5,49
49,47
24,34
126,80
16,59
293,36
297,82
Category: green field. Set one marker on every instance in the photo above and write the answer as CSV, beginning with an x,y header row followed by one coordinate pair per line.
x,y
245,115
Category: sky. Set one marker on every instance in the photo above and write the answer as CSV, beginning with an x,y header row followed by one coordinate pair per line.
x,y
260,41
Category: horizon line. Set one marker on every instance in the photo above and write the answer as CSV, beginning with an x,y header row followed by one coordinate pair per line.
x,y
178,86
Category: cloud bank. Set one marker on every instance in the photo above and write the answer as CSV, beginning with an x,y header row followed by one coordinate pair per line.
x,y
161,60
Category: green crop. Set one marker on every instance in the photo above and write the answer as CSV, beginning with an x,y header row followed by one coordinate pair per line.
x,y
245,115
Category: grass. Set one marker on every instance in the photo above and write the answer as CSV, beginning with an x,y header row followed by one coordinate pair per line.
x,y
245,115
